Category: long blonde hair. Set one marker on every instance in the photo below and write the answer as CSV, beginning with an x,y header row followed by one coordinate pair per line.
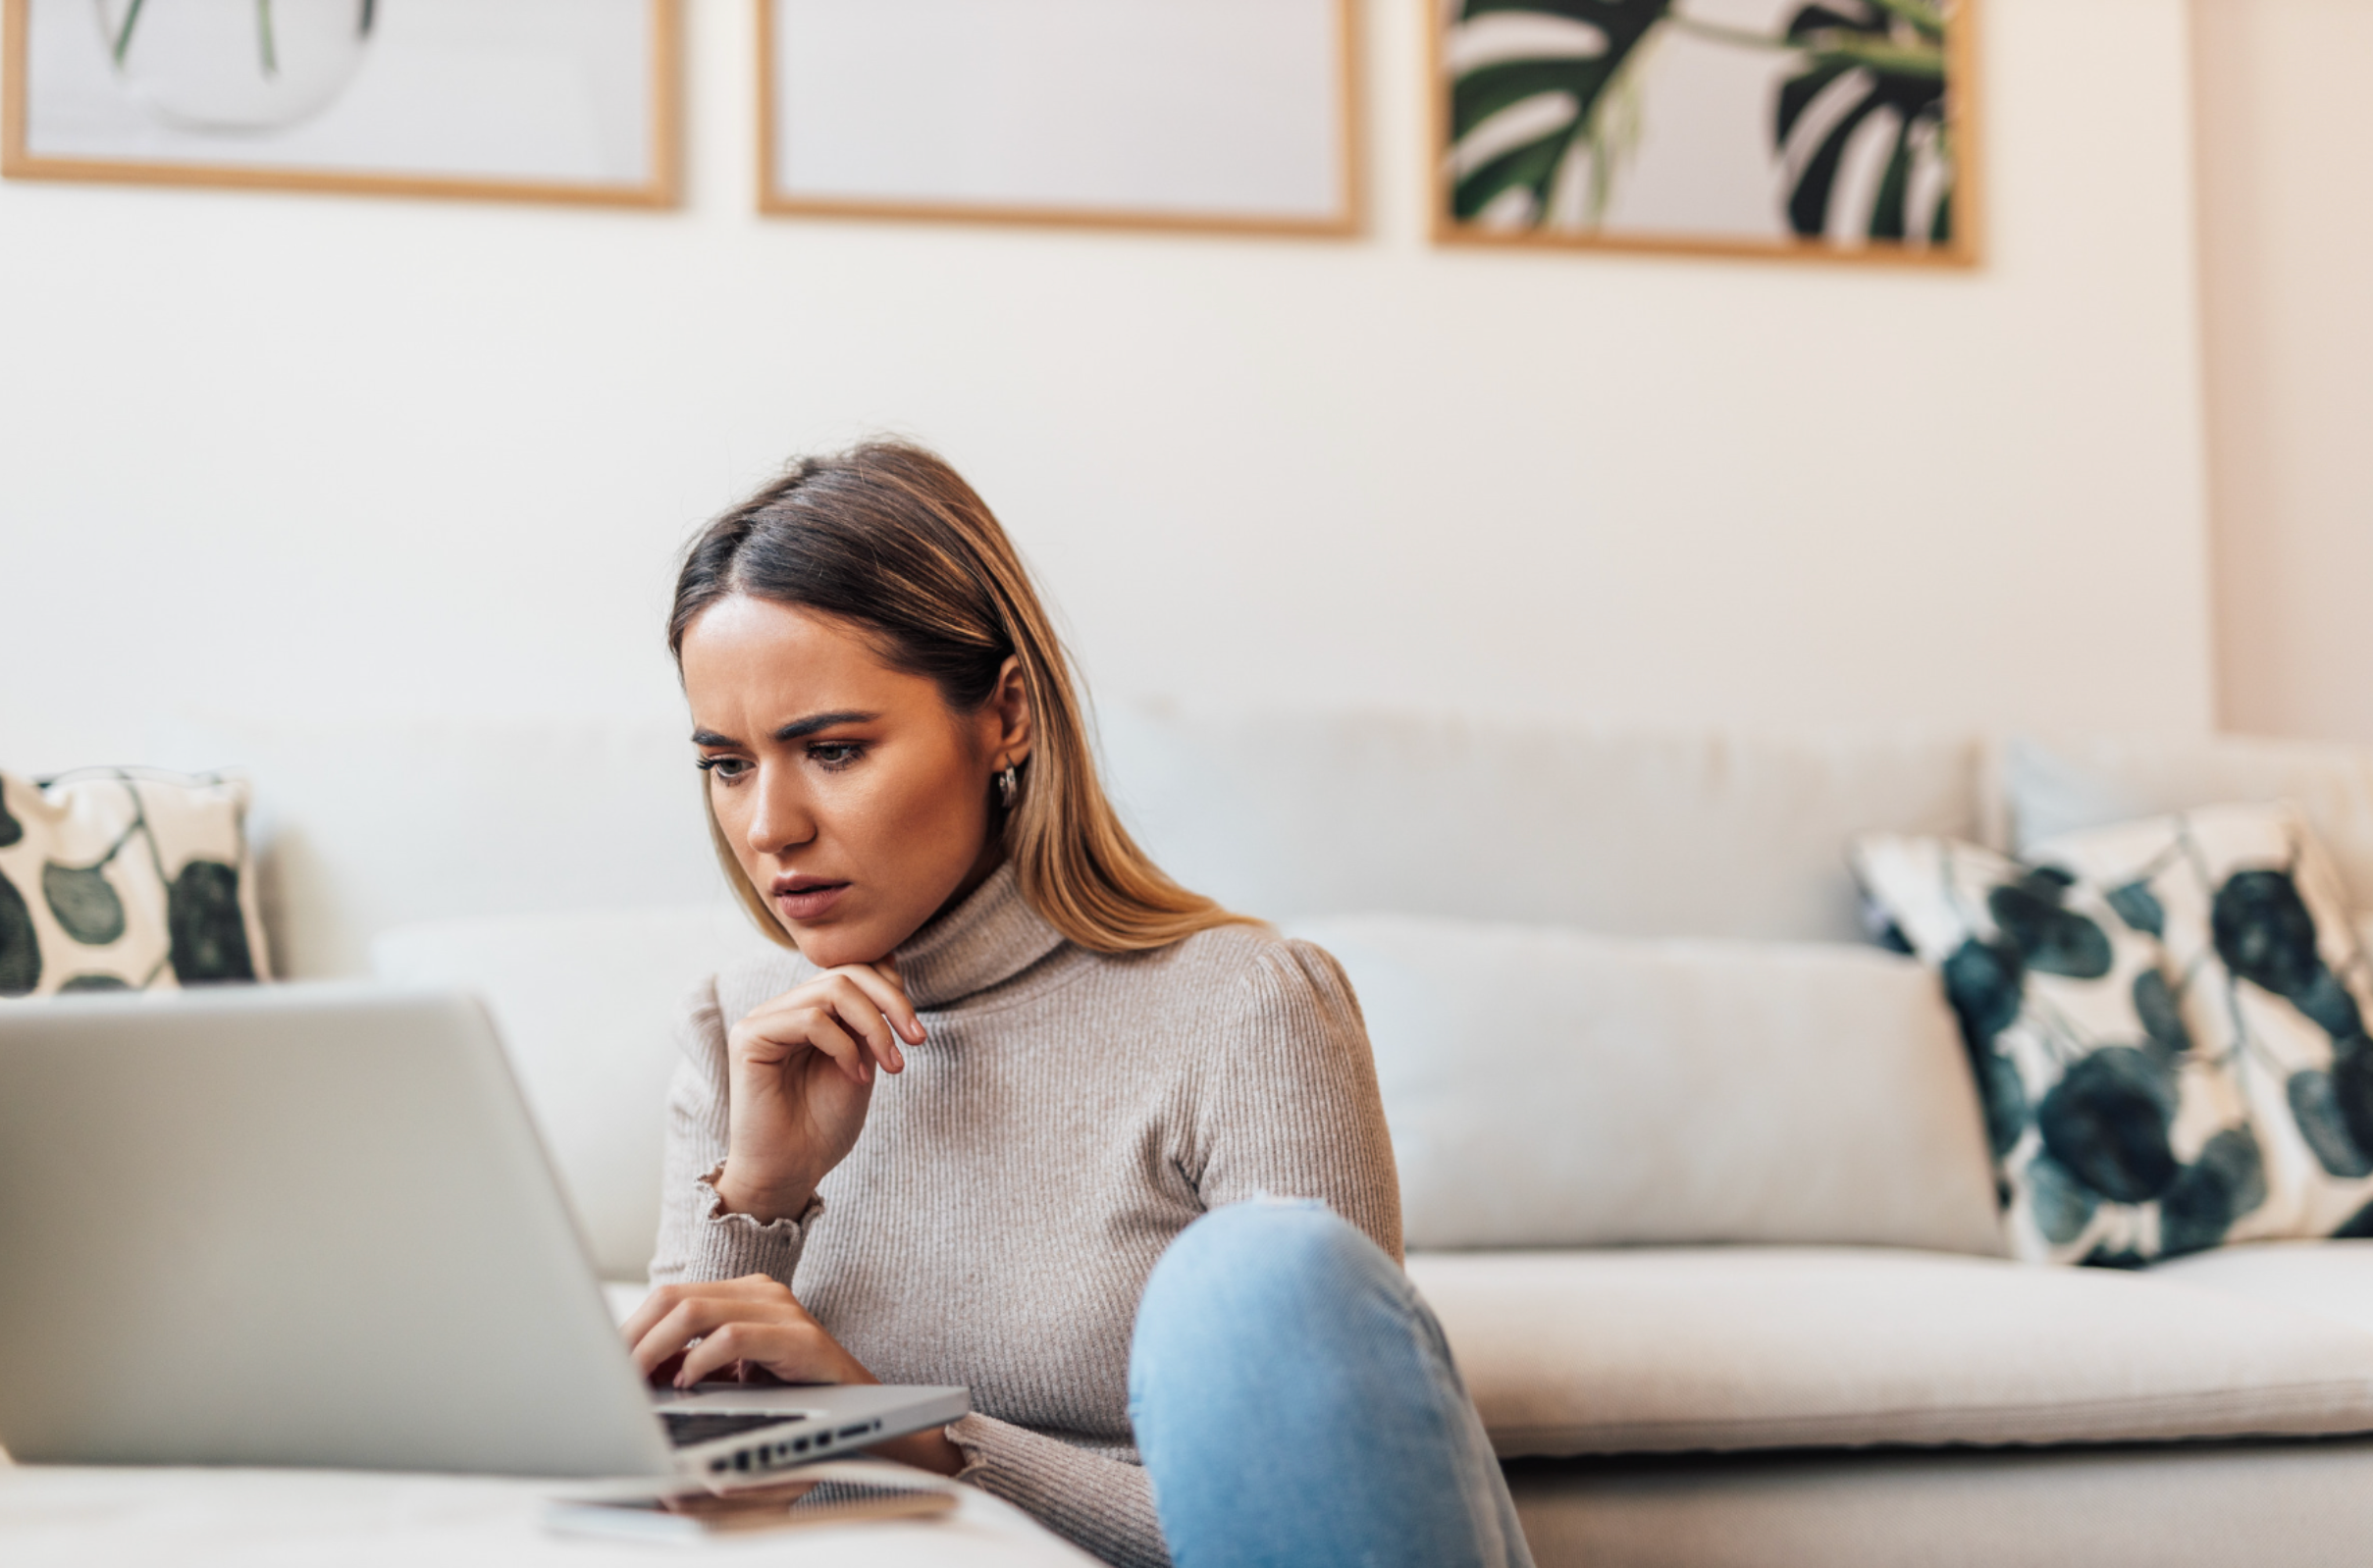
x,y
889,538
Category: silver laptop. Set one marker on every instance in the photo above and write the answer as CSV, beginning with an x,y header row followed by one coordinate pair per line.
x,y
313,1226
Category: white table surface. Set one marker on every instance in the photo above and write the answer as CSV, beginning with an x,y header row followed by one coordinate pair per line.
x,y
98,1518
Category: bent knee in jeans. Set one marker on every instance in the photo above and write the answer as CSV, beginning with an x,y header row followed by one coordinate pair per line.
x,y
1295,1403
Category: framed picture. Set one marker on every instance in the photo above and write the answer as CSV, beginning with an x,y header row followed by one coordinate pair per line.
x,y
1232,115
1800,128
540,100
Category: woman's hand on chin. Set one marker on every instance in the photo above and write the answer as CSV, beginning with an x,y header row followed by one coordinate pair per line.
x,y
801,1073
717,1330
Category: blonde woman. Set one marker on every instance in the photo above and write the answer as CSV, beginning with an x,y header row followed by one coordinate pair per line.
x,y
1013,1108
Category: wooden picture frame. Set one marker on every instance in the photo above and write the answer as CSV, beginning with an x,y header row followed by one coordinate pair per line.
x,y
658,185
1344,214
1962,248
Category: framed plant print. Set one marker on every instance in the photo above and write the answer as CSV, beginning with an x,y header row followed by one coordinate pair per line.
x,y
1235,115
540,100
1837,129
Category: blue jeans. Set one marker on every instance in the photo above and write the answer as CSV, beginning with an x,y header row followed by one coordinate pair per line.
x,y
1295,1405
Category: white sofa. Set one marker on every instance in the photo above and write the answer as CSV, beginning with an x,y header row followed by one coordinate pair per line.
x,y
1694,1178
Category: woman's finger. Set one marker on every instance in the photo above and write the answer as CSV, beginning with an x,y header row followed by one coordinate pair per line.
x,y
828,1034
781,1349
880,984
690,1321
860,994
652,1309
666,1298
670,1334
813,1025
862,1015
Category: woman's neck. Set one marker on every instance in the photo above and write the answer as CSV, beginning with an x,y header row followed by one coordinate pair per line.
x,y
984,865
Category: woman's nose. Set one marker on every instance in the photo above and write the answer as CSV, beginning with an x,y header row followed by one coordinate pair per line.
x,y
782,822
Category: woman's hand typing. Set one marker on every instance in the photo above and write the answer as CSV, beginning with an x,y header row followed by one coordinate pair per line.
x,y
719,1329
800,1074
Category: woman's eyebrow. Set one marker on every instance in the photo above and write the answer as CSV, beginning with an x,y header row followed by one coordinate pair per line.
x,y
800,728
797,729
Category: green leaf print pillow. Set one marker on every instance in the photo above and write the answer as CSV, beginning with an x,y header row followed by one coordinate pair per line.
x,y
2115,1139
2273,982
116,881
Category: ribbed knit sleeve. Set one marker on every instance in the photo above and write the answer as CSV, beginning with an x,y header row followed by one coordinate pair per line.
x,y
1102,1505
1288,1103
696,1241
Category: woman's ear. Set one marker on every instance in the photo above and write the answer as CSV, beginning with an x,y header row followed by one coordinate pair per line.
x,y
1015,729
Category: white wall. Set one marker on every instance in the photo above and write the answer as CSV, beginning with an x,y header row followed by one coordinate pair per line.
x,y
336,459
2286,139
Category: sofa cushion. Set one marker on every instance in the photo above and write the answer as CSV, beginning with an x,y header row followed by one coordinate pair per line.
x,y
114,879
1546,1087
2116,1141
2330,1279
1669,1349
2268,978
2066,784
1626,832
588,1004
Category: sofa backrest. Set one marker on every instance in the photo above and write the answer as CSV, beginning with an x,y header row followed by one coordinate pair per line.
x,y
1623,832
2059,784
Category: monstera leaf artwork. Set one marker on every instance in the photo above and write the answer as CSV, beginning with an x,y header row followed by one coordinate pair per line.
x,y
1545,104
1834,125
1880,63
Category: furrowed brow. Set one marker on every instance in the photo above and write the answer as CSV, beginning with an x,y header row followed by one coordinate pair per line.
x,y
802,728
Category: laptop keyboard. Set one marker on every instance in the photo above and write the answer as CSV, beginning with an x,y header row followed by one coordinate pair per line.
x,y
688,1426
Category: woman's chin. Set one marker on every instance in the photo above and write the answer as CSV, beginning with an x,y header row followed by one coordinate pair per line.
x,y
832,947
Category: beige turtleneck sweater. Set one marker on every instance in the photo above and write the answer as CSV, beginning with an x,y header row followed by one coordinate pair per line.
x,y
1068,1115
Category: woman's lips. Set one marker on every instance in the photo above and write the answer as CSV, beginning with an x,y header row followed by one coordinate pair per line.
x,y
802,898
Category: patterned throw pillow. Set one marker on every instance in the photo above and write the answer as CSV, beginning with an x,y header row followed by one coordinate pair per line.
x,y
2273,980
2115,1140
113,881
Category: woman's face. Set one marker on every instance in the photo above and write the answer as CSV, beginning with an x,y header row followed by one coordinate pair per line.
x,y
856,801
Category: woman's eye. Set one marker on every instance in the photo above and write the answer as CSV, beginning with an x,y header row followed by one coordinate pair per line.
x,y
833,755
727,768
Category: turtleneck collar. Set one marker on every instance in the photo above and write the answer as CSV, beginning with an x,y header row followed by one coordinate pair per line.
x,y
984,941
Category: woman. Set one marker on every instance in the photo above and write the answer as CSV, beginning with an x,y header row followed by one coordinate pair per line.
x,y
1009,1067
